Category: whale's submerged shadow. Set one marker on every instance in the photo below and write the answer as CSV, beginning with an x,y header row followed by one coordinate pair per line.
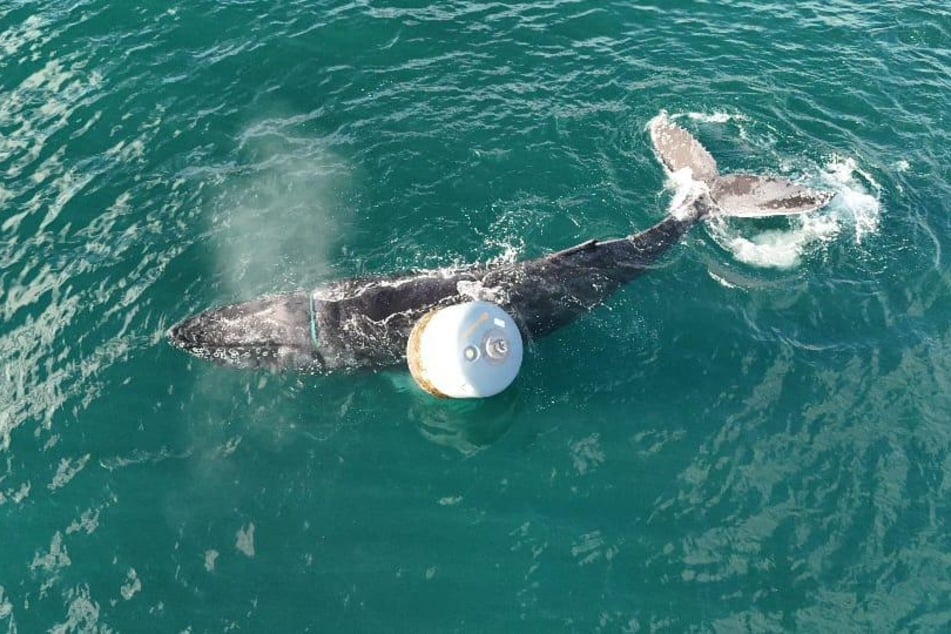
x,y
465,425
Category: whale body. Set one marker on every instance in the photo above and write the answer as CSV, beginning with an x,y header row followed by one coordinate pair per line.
x,y
365,323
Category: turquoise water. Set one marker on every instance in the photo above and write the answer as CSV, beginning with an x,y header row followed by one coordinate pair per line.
x,y
754,437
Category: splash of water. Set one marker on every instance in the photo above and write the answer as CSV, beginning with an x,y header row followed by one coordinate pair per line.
x,y
715,117
857,202
856,209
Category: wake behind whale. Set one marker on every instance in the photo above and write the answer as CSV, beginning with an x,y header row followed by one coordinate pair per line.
x,y
366,322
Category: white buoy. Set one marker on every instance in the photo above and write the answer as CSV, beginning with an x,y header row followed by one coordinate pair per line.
x,y
470,350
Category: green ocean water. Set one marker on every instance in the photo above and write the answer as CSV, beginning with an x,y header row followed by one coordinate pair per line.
x,y
754,437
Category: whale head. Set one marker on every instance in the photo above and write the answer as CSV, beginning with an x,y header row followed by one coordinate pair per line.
x,y
273,333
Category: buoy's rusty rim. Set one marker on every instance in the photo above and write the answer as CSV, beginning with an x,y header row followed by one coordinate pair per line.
x,y
414,355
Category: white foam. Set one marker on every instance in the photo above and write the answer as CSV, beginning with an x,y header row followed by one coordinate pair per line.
x,y
244,539
132,586
6,608
722,281
56,559
67,471
715,117
82,613
30,32
686,191
88,522
857,201
781,249
211,556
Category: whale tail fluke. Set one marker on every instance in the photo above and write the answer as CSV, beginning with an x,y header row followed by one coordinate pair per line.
x,y
750,196
677,150
740,195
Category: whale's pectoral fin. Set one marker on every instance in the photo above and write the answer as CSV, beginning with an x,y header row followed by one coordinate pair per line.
x,y
749,196
678,149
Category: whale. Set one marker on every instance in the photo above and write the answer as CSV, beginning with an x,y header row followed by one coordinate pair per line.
x,y
365,323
